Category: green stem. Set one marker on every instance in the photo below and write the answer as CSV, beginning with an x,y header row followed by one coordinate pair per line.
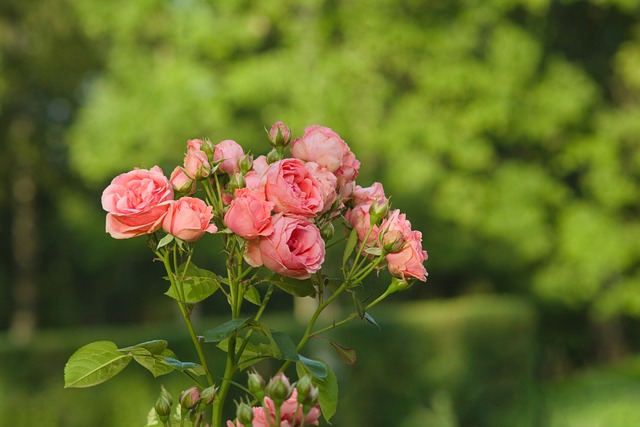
x,y
185,315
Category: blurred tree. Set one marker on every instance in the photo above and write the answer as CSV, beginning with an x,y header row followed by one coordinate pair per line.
x,y
510,126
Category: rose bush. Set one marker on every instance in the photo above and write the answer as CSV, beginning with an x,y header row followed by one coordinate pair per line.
x,y
270,211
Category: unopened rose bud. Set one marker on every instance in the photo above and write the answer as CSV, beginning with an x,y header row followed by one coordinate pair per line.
x,y
256,385
163,405
181,182
208,395
237,181
304,386
392,241
190,398
208,147
279,135
279,388
397,285
378,210
327,230
245,164
244,413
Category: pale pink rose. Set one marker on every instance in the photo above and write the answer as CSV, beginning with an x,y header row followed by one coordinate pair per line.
x,y
320,145
328,183
292,187
196,162
360,219
368,195
292,411
249,214
181,182
254,176
294,249
136,202
188,219
348,171
230,152
409,260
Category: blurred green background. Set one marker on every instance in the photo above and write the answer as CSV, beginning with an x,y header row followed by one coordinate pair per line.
x,y
508,130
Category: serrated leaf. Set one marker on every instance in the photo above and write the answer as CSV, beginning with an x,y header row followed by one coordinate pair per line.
x,y
94,363
196,284
328,393
348,355
349,247
252,295
297,288
224,330
314,367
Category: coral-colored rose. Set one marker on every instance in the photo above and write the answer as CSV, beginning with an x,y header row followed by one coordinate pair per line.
x,y
360,219
249,214
294,249
328,183
188,219
293,188
320,145
409,260
196,162
181,182
348,172
368,195
230,153
136,202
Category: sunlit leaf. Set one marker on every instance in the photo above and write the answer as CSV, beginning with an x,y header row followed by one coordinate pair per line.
x,y
94,363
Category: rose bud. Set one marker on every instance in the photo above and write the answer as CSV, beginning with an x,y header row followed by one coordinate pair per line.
x,y
279,135
189,398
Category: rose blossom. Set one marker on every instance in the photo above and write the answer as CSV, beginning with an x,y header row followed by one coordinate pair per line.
x,y
292,187
328,183
136,202
359,217
196,162
320,145
188,219
249,214
290,412
230,153
409,260
294,249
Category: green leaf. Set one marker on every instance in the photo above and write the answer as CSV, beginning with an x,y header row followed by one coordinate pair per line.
x,y
196,284
370,319
94,363
165,241
348,355
184,366
328,393
252,295
297,288
156,363
153,347
350,246
286,346
314,367
224,330
374,251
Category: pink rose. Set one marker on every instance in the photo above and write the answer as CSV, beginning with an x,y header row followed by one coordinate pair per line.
x,y
348,172
291,411
284,131
294,249
328,183
409,260
291,186
230,153
368,195
320,145
181,182
249,214
188,219
360,219
136,202
196,162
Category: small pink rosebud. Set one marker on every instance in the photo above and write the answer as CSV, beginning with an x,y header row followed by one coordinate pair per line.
x,y
279,388
196,162
378,210
392,241
181,182
245,164
208,395
279,135
255,383
189,398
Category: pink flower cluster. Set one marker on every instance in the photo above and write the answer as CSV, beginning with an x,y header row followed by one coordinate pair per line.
x,y
275,205
141,202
